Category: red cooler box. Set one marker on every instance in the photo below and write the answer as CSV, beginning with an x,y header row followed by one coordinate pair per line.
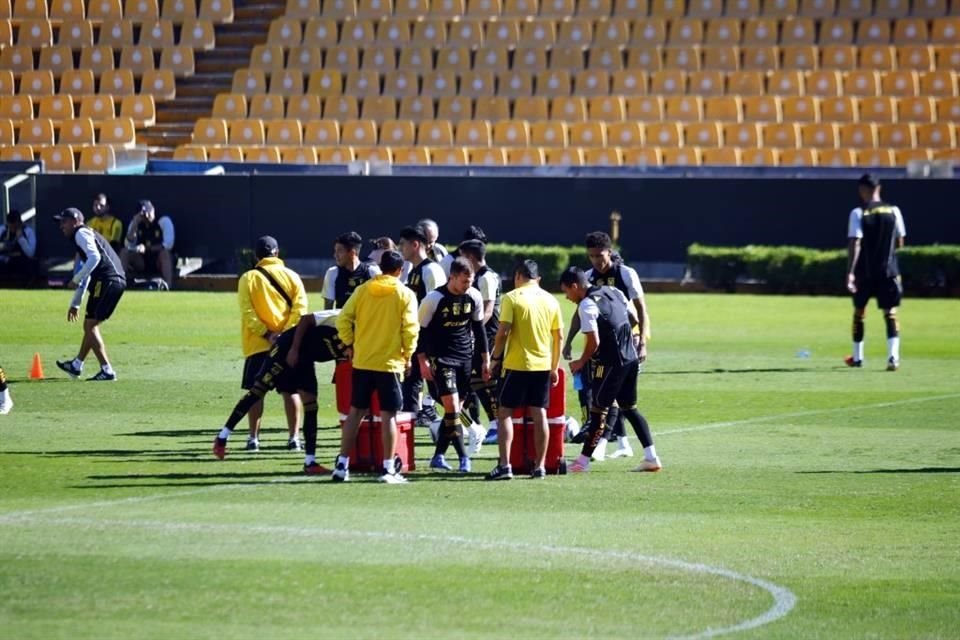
x,y
367,452
523,450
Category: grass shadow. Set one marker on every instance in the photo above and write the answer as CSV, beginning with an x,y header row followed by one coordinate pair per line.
x,y
890,471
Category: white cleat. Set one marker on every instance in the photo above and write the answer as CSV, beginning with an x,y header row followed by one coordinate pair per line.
x,y
392,478
475,435
649,465
6,402
622,452
600,453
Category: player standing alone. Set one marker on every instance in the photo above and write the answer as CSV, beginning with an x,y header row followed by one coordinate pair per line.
x,y
875,232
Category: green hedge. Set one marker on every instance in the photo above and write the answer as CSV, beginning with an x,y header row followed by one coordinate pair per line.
x,y
786,269
552,260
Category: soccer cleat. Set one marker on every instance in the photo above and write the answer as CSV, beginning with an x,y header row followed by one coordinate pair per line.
x,y
892,364
491,437
315,469
600,453
392,478
581,435
624,450
253,444
500,472
439,463
850,362
578,467
426,416
649,465
102,376
475,436
293,445
464,465
219,447
6,402
340,474
538,474
67,366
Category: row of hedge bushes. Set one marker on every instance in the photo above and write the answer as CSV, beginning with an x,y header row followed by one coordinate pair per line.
x,y
925,269
552,260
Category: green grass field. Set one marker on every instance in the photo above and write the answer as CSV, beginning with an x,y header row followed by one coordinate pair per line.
x,y
799,499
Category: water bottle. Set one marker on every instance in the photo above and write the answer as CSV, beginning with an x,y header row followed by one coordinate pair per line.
x,y
577,381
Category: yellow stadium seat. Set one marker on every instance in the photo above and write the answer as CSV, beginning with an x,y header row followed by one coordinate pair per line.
x,y
780,8
319,32
589,83
37,83
760,32
685,32
915,109
745,83
525,157
324,82
359,33
448,156
394,32
286,82
785,83
447,8
467,32
410,155
762,109
521,8
742,135
682,57
117,132
38,131
838,109
645,108
18,152
549,133
141,109
225,154
491,108
903,157
398,133
261,154
877,109
703,134
664,134
159,83
304,108
302,57
625,134
17,58
563,157
502,33
930,8
435,133
77,34
836,157
411,8
439,84
538,33
57,107
321,133
454,59
643,59
762,57
97,107
800,109
473,133
77,131
515,84
798,31
798,158
742,8
861,83
683,108
607,108
940,135
705,8
216,11
914,57
668,82
567,58
941,83
267,106
840,57
891,8
116,33
101,10
137,58
98,59
649,32
497,59
340,9
824,83
207,131
877,56
230,106
873,31
379,108
198,34
706,83
382,59
723,31
819,135
27,9
605,58
611,33
417,108
858,135
759,157
178,59
57,58
415,58
720,157
478,84
487,157
141,10
910,31
246,131
642,157
58,159
950,155
97,159
854,8
568,108
722,109
178,10
298,155
781,135
667,8
531,108
837,31
556,8
35,33
608,157
804,57
681,157
946,30
359,132
17,108
285,32
60,10
158,33
948,109
511,133
430,32
588,134
630,8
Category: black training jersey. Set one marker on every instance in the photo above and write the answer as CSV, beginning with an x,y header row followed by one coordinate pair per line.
x,y
320,344
487,282
109,267
446,324
347,281
419,280
607,307
619,276
878,257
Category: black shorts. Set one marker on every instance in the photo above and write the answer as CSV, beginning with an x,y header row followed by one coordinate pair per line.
x,y
615,384
103,298
524,389
301,378
387,385
888,293
258,365
449,379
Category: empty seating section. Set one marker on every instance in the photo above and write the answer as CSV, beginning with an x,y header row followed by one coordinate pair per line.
x,y
79,77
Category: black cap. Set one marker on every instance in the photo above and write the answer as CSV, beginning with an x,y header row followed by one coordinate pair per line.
x,y
266,247
69,213
869,180
146,205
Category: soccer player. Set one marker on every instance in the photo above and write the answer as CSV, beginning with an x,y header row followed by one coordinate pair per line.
x,y
482,392
609,270
425,276
349,273
272,299
102,274
875,231
606,320
6,402
473,232
527,347
290,365
435,250
105,223
379,328
451,328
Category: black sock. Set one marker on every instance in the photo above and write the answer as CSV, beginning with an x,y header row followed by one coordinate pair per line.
x,y
610,426
456,437
893,326
639,424
444,435
857,328
243,407
472,405
310,428
597,419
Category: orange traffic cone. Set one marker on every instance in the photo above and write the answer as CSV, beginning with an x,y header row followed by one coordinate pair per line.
x,y
36,369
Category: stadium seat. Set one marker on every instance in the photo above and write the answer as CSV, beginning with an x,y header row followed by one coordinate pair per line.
x,y
567,58
511,133
588,134
625,134
721,58
77,34
323,83
645,108
877,109
946,30
398,133
137,58
839,109
261,154
358,33
225,154
178,10
104,10
196,153
304,58
210,131
742,135
79,131
97,159
515,84
157,34
321,132
216,11
800,109
916,109
416,108
568,108
16,59
497,59
910,31
379,108
531,108
759,157
359,132
37,83
410,155
318,32
286,82
454,108
569,157
551,133
525,157
722,109
504,32
304,108
230,106
448,156
902,157
836,157
268,106
495,157
642,60
761,109
38,131
18,152
57,159
98,107
785,83
836,31
198,34
179,59
642,157
703,134
19,107
246,131
683,108
56,107
118,132
873,31
800,57
556,82
939,135
473,133
382,59
780,135
824,83
537,34
141,10
283,132
682,58
605,59
29,9
439,84
477,84
159,83
819,135
930,8
948,109
914,57
373,154
798,158
680,156
606,157
57,59
858,135
340,9
35,33
664,134
302,9
60,10
941,83
115,33
649,32
141,109
862,83
745,83
492,108
705,8
298,155
520,8
854,8
341,107
607,108
720,156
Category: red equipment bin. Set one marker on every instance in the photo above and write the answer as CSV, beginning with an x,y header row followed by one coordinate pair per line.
x,y
523,450
367,452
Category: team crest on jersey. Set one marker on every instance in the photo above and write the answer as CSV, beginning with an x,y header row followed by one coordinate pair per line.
x,y
456,308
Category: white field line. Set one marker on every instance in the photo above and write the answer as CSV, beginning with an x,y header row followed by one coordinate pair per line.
x,y
783,599
804,414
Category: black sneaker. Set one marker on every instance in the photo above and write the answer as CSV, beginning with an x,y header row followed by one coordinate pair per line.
x,y
102,376
500,472
426,416
253,444
293,444
67,366
538,474
340,473
581,435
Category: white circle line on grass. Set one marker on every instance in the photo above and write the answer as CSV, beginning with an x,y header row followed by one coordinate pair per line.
x,y
783,599
803,414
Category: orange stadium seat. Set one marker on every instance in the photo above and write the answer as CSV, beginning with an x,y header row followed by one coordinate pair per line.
x,y
158,33
914,57
645,108
19,107
858,135
683,108
531,108
246,131
781,135
141,109
58,59
819,135
551,133
801,57
17,58
568,108
61,10
761,109
417,108
77,131
97,107
216,11
743,135
58,159
838,109
178,10
97,159
198,35
141,10
379,108
38,131
56,107
800,109
265,155
703,134
77,34
915,109
37,83
116,33
321,133
525,157
298,155
178,59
